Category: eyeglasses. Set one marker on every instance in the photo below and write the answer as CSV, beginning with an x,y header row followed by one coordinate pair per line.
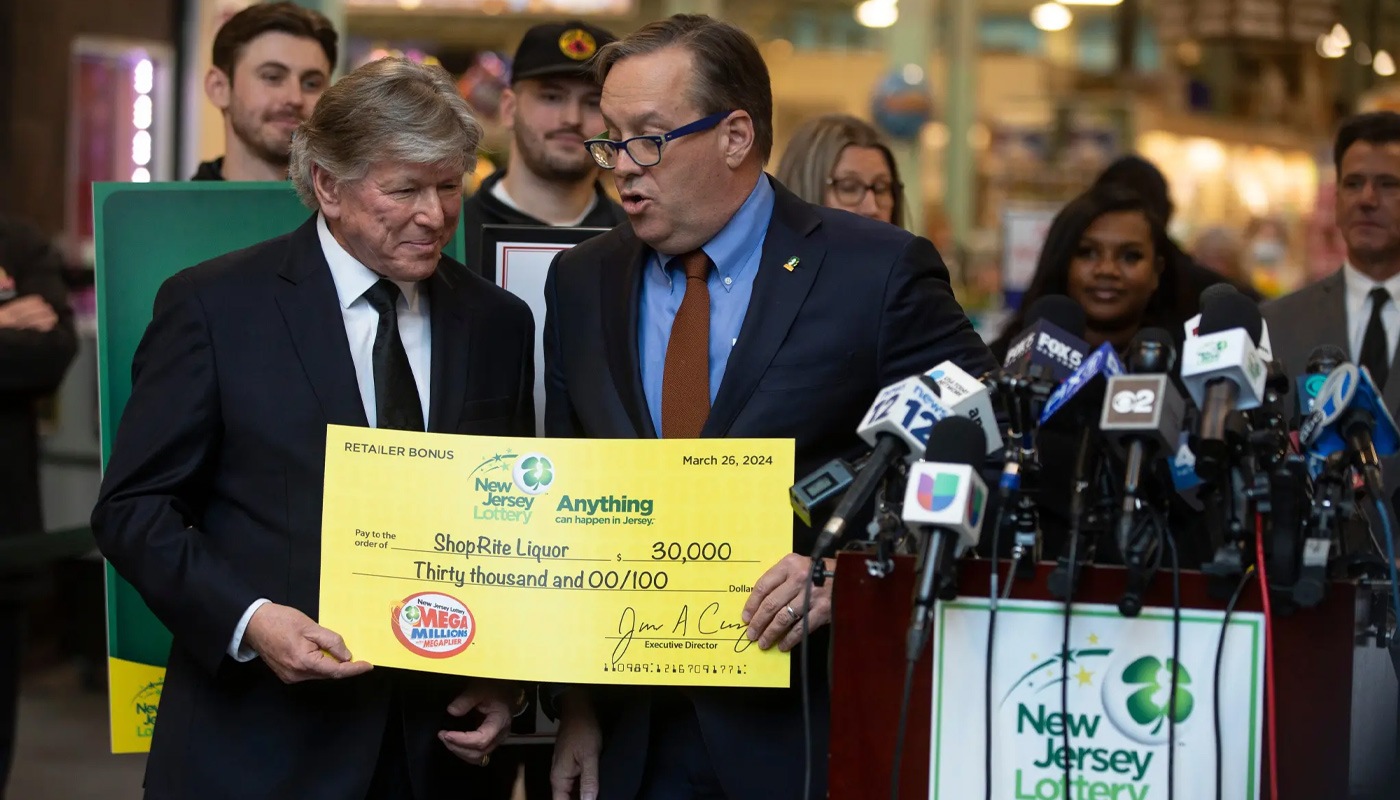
x,y
645,151
851,191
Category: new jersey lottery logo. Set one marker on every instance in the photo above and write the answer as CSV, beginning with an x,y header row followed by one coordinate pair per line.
x,y
533,473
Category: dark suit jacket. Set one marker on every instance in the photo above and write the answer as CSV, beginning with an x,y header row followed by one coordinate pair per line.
x,y
1312,316
32,364
212,499
1317,315
867,305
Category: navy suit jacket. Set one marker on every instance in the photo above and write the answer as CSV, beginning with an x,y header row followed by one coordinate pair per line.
x,y
212,499
867,305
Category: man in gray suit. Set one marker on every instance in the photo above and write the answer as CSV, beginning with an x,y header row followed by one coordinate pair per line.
x,y
1356,309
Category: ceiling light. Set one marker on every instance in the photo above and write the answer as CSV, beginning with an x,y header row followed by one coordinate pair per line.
x,y
1340,36
1384,65
1327,47
877,13
1051,17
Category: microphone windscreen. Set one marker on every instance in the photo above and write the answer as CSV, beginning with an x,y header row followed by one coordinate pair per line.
x,y
1215,291
1227,311
1324,358
956,440
1152,352
1060,311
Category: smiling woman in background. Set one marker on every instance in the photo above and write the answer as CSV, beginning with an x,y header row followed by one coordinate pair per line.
x,y
842,162
1105,250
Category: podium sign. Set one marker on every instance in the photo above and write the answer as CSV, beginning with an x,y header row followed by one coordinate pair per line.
x,y
1119,675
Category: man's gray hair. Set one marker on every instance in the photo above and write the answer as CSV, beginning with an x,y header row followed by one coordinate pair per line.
x,y
388,110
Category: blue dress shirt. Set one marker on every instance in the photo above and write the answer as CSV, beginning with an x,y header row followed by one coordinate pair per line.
x,y
735,251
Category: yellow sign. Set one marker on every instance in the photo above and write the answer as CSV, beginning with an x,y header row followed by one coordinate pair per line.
x,y
134,694
555,560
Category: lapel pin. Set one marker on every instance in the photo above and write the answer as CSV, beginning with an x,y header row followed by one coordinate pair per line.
x,y
792,263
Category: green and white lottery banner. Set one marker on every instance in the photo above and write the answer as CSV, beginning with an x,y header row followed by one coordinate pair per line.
x,y
1118,671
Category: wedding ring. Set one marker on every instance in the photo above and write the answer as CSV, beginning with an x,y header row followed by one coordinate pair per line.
x,y
795,616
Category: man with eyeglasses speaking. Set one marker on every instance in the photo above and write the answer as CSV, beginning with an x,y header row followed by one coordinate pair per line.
x,y
724,307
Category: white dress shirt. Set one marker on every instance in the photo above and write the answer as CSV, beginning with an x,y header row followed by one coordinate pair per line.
x,y
352,280
1358,299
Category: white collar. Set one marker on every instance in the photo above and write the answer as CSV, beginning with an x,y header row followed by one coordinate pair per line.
x,y
1359,286
353,279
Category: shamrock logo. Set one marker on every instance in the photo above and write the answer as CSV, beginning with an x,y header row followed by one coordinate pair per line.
x,y
537,472
411,614
1151,703
533,473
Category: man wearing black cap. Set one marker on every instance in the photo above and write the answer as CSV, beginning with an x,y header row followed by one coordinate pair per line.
x,y
550,108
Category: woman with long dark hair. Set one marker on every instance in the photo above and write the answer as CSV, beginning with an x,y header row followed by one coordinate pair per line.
x,y
1108,251
1105,250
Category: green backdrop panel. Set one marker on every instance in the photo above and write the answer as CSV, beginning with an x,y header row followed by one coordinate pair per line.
x,y
146,233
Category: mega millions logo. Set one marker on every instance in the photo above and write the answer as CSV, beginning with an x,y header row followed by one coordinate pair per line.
x,y
1118,721
433,625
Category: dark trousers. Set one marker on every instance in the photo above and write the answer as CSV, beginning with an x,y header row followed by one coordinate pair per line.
x,y
391,780
678,762
11,639
498,777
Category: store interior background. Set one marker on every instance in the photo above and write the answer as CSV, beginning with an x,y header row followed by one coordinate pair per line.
x,y
1001,110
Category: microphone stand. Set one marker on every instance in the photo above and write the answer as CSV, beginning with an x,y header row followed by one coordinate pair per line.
x,y
1064,580
1227,506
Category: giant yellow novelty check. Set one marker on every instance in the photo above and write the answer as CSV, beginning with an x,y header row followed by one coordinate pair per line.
x,y
560,560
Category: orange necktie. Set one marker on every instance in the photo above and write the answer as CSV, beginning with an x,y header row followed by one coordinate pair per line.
x,y
685,385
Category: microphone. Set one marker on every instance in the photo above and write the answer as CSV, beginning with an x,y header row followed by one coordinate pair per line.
x,y
1350,415
1080,396
1141,420
1321,361
946,497
897,427
965,396
1051,341
1224,372
1210,295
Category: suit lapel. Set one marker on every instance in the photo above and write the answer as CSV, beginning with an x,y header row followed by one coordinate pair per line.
x,y
778,294
311,309
621,293
451,352
1332,322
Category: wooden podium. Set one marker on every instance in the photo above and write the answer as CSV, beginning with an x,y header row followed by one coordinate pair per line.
x,y
1312,672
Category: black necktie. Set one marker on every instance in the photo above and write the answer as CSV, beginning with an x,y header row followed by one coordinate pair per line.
x,y
396,400
1375,353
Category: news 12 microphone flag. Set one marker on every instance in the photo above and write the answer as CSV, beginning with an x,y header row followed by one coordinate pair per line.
x,y
144,234
1119,675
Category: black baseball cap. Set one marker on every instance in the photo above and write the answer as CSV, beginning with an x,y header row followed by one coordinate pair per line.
x,y
558,48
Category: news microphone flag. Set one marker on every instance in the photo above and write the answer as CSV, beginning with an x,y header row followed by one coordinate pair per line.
x,y
948,496
1229,355
965,396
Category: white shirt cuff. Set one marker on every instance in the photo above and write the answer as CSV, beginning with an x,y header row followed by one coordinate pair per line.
x,y
236,650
